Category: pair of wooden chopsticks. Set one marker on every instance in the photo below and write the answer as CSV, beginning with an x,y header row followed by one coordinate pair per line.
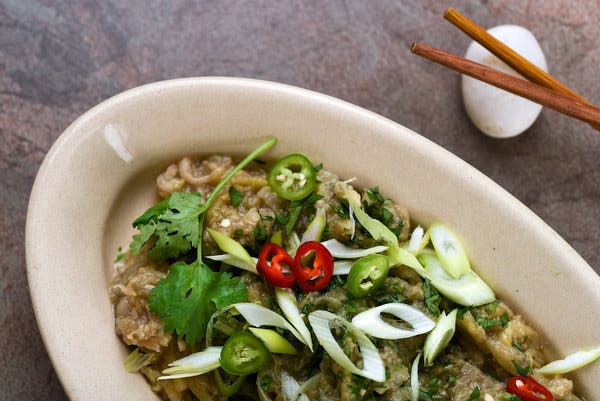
x,y
543,88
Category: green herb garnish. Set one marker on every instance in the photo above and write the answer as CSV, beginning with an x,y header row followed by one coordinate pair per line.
x,y
504,319
432,298
523,371
475,394
235,197
187,297
486,322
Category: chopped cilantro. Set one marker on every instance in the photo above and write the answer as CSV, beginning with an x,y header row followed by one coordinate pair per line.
x,y
504,319
266,217
235,197
281,218
188,296
260,235
517,346
295,208
432,298
319,167
491,307
462,311
523,371
374,194
265,383
340,212
475,394
238,233
451,379
510,397
486,322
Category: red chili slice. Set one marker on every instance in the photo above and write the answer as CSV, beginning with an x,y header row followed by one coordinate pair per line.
x,y
275,264
527,389
313,266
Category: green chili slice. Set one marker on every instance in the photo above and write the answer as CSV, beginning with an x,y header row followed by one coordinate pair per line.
x,y
293,177
243,354
367,275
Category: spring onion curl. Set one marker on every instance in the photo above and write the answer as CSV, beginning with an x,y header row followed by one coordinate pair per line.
x,y
234,261
275,342
290,388
373,367
341,251
468,290
371,323
289,306
418,240
439,337
414,379
342,267
571,362
193,365
231,247
315,229
258,316
449,250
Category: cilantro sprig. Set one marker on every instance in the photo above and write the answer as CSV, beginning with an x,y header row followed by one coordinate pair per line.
x,y
190,293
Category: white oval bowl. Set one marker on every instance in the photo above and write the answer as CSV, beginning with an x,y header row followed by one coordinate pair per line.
x,y
99,175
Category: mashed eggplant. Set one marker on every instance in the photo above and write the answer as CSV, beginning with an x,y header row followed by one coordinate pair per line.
x,y
481,355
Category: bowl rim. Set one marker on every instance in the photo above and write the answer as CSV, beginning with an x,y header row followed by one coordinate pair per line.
x,y
288,90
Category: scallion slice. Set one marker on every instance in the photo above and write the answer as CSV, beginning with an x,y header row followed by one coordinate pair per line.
x,y
418,240
439,337
291,388
274,341
449,250
571,362
258,316
289,306
414,379
373,367
193,365
314,231
468,290
371,323
376,228
230,246
234,261
341,251
342,267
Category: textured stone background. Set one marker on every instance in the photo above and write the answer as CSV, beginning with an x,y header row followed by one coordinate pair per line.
x,y
59,58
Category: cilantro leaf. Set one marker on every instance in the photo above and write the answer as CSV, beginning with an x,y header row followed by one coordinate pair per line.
x,y
475,394
235,197
523,371
188,296
175,224
432,298
151,213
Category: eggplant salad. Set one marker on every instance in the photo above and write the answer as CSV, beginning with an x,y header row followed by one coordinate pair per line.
x,y
285,282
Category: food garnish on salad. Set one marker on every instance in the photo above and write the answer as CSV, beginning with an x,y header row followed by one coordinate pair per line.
x,y
289,283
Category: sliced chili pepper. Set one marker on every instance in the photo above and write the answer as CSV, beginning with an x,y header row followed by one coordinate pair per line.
x,y
275,265
293,177
367,275
313,266
243,354
528,389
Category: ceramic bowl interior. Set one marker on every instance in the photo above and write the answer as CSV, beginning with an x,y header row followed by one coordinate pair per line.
x,y
100,175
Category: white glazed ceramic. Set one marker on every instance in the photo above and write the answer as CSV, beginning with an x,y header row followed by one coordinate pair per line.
x,y
99,176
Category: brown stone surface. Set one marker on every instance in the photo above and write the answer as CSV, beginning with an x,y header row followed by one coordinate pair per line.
x,y
59,58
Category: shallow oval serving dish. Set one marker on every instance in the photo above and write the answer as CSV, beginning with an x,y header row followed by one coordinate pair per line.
x,y
99,176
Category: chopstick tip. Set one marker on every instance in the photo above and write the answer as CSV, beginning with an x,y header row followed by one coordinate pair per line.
x,y
449,11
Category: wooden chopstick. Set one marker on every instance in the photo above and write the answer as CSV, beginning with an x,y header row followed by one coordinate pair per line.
x,y
513,59
534,92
